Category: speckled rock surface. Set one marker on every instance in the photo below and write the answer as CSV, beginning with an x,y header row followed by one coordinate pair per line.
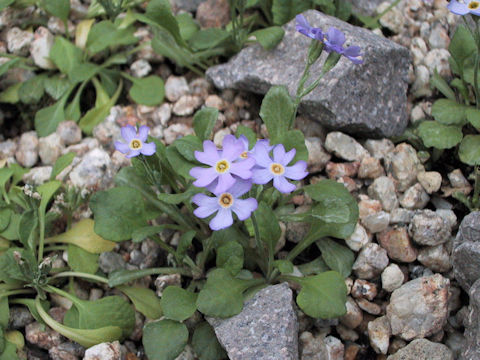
x,y
422,349
266,329
472,325
368,98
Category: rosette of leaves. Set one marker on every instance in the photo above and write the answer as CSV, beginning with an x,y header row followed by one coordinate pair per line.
x,y
220,269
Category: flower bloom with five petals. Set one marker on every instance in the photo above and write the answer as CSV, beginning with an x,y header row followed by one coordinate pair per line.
x,y
224,203
334,40
135,143
225,168
464,7
277,168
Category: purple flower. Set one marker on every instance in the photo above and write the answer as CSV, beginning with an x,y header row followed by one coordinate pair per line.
x,y
277,168
463,8
334,40
251,153
303,27
135,143
224,203
223,165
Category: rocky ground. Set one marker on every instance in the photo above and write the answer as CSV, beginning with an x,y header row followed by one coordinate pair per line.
x,y
413,293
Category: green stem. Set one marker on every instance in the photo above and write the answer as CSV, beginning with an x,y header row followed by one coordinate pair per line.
x,y
261,249
81,275
476,191
55,248
41,240
17,292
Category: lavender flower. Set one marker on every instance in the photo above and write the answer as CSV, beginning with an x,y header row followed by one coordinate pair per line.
x,y
277,169
334,40
135,143
251,153
303,27
224,203
465,7
224,165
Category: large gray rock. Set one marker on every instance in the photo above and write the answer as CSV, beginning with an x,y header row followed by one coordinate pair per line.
x,y
422,349
472,325
266,329
466,251
359,99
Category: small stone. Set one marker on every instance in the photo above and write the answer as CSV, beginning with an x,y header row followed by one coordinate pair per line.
x,y
364,289
438,38
85,146
419,307
379,333
358,239
456,343
422,349
421,85
27,151
317,156
430,180
215,101
37,175
93,171
448,216
437,59
338,170
392,278
50,148
379,148
416,115
110,261
7,149
312,348
368,206
404,165
213,13
335,348
429,228
369,307
19,317
347,334
69,132
457,180
43,337
393,19
105,351
40,48
19,41
296,231
376,222
354,315
201,87
67,351
383,189
220,135
175,88
162,281
186,105
345,147
176,131
401,216
370,168
370,262
140,68
162,114
398,245
414,198
435,258
107,132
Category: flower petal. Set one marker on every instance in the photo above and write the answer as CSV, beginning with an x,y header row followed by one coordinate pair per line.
x,y
244,141
232,148
133,153
122,147
282,185
148,148
209,155
241,187
225,182
335,36
128,133
207,205
243,208
297,171
260,154
457,8
261,176
278,153
222,220
143,133
204,176
243,168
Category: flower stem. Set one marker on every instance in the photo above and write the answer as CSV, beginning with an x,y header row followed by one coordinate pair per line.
x,y
81,275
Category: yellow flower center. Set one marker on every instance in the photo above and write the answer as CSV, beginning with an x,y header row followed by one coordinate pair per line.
x,y
244,155
277,169
135,144
226,200
222,166
473,5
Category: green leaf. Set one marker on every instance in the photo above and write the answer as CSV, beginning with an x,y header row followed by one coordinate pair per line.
x,y
4,312
164,340
208,38
147,91
473,117
118,212
5,3
57,85
177,303
185,242
11,232
267,225
9,352
144,300
105,34
230,257
204,121
322,296
294,139
187,146
5,175
47,119
462,45
83,72
343,10
469,150
187,26
179,163
32,90
73,112
47,190
449,112
120,277
28,229
5,216
442,86
314,267
284,266
161,12
9,270
285,10
269,37
248,133
176,199
10,95
65,55
61,163
8,65
205,343
338,257
276,112
439,136
58,8
81,260
18,173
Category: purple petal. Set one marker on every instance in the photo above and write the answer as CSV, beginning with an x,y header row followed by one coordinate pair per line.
x,y
335,36
222,220
133,153
148,148
278,153
128,133
260,154
282,185
352,52
244,208
122,147
207,205
209,155
243,168
241,187
475,12
458,8
143,133
297,171
232,148
244,141
225,182
204,176
261,176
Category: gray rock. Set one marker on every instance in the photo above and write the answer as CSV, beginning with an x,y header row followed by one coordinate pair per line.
x,y
19,41
422,349
317,156
370,262
456,342
472,325
7,149
185,5
429,228
37,175
353,316
110,261
403,164
358,239
175,88
266,329
344,146
140,68
383,189
312,347
335,348
392,278
379,333
186,105
436,258
27,151
367,99
67,351
419,307
19,317
162,281
69,132
466,251
376,222
93,171
366,7
42,336
50,148
40,48
379,148
162,114
415,197
106,351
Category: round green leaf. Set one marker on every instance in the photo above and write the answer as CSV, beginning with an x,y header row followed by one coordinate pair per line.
x,y
164,340
205,343
230,257
145,300
81,260
5,216
469,150
148,90
473,117
449,112
177,303
438,135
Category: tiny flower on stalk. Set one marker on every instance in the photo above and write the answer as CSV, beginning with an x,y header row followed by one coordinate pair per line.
x,y
465,7
224,168
303,27
277,169
135,143
334,40
224,203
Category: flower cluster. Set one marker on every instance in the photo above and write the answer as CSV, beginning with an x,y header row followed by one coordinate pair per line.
x,y
464,7
135,142
333,39
231,171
